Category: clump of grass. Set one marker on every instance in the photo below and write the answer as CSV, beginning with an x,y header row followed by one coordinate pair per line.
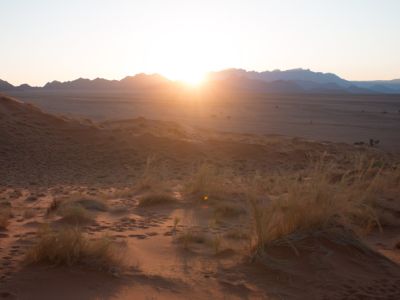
x,y
68,246
156,199
5,215
75,214
75,209
207,183
312,200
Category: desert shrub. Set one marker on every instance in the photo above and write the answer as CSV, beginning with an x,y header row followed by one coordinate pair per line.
x,y
156,199
68,246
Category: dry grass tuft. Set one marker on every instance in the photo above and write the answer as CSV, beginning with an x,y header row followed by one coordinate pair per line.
x,y
75,214
318,199
209,183
68,246
156,199
204,182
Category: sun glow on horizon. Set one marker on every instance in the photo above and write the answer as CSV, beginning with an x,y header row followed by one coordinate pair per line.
x,y
191,77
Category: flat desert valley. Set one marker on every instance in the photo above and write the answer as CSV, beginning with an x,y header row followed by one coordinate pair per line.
x,y
192,196
345,118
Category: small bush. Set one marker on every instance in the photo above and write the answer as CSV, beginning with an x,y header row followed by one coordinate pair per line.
x,y
68,246
156,199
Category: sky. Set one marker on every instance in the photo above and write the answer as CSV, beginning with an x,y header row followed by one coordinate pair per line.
x,y
45,40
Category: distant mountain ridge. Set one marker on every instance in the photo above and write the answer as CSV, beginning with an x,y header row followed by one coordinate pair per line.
x,y
277,81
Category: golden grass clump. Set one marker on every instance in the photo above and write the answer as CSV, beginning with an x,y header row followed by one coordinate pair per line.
x,y
209,183
318,198
153,199
68,246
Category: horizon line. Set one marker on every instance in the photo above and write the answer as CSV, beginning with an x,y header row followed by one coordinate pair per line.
x,y
179,80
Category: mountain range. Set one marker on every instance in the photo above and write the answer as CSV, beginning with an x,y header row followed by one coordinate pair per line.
x,y
289,81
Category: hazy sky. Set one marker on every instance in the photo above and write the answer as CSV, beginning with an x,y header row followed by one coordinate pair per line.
x,y
43,40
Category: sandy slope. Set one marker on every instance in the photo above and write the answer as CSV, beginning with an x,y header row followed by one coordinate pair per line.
x,y
44,158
